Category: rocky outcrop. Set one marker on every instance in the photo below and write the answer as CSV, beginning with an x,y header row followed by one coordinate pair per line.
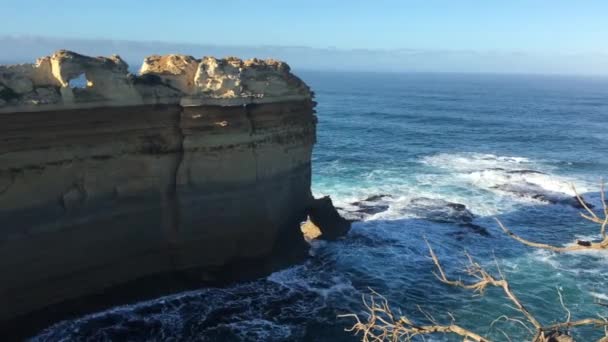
x,y
171,79
324,222
191,166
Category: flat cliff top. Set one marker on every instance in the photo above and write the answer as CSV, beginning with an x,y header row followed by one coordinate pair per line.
x,y
49,83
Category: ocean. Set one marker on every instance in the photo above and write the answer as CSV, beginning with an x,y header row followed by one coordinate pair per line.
x,y
413,157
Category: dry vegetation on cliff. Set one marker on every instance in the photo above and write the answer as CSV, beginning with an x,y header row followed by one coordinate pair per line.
x,y
382,324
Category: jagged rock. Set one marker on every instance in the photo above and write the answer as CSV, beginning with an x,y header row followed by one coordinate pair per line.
x,y
42,75
439,210
17,78
168,79
326,218
537,192
106,77
372,209
310,231
41,96
370,205
219,77
442,211
271,78
374,198
177,71
154,90
525,172
233,77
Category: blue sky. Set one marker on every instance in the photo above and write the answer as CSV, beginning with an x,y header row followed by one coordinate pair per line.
x,y
530,27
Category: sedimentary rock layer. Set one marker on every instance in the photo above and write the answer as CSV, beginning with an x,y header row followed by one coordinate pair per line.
x,y
190,166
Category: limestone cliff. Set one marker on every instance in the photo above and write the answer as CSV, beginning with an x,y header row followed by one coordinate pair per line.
x,y
192,165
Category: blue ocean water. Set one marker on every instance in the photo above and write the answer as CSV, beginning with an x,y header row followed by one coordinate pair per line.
x,y
403,153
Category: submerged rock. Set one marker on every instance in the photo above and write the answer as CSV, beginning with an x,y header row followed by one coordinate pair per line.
x,y
525,172
430,209
442,211
439,210
369,206
538,193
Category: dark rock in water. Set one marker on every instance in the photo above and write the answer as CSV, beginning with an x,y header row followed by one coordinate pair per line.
x,y
583,243
324,215
369,206
476,229
438,210
441,211
374,198
372,209
575,203
525,172
434,210
353,216
538,193
457,206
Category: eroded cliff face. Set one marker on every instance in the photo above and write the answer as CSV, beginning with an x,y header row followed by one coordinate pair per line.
x,y
190,166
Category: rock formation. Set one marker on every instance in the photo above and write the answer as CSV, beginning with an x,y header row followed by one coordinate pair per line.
x,y
192,165
171,79
324,222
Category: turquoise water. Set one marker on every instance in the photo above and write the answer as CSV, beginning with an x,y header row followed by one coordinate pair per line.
x,y
503,146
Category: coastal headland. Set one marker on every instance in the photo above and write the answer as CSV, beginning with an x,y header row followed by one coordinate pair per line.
x,y
116,186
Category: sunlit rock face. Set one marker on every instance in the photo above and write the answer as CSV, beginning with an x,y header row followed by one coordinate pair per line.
x,y
191,166
176,71
170,79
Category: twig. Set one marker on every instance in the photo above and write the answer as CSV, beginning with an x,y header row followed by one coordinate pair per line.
x,y
561,301
383,325
578,246
474,269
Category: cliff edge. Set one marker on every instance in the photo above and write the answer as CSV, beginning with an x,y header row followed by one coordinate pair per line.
x,y
185,169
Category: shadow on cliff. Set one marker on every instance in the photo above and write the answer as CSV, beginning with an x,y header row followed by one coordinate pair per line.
x,y
389,256
289,249
377,253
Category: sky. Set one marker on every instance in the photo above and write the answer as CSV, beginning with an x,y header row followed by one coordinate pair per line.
x,y
552,36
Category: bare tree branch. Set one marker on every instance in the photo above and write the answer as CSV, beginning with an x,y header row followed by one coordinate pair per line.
x,y
578,244
561,301
485,279
383,325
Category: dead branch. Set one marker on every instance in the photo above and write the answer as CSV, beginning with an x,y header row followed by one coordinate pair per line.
x,y
383,325
578,245
485,279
